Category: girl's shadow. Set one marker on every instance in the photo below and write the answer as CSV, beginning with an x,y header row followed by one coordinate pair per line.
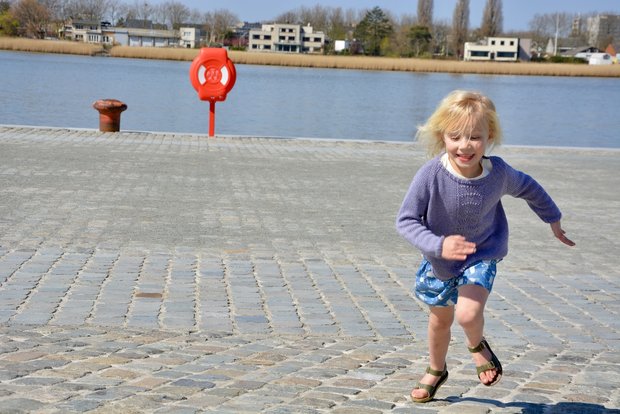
x,y
539,408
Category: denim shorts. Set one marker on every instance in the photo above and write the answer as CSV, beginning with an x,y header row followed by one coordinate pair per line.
x,y
437,292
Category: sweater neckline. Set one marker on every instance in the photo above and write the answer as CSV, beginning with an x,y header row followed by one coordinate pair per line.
x,y
462,180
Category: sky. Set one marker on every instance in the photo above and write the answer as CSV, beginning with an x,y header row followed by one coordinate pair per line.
x,y
517,13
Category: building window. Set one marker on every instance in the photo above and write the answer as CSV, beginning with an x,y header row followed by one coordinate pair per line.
x,y
493,42
256,37
479,53
267,37
502,43
506,55
512,43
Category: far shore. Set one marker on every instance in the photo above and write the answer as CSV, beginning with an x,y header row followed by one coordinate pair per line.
x,y
320,61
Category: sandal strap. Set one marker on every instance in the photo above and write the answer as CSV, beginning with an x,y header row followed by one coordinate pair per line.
x,y
436,373
479,348
486,367
430,389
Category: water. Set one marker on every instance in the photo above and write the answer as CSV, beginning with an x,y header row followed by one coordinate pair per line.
x,y
59,90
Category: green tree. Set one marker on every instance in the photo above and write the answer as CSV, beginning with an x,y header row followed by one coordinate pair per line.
x,y
8,22
420,37
373,30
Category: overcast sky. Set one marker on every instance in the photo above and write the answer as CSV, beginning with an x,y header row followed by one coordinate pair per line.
x,y
517,13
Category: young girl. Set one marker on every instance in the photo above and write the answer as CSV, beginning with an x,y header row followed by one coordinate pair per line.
x,y
452,212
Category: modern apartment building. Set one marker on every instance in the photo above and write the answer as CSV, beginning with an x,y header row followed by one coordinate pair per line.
x,y
500,49
603,30
286,38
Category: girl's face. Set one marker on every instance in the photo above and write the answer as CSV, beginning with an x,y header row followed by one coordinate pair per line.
x,y
465,150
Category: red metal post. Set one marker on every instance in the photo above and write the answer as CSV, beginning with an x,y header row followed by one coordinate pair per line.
x,y
211,118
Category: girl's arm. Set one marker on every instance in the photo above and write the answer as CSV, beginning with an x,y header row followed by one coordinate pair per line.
x,y
411,219
523,186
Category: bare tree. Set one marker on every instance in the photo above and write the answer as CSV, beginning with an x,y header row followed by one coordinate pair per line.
x,y
400,41
425,13
175,13
85,9
441,36
219,23
32,16
141,10
195,17
337,25
317,17
55,8
460,27
492,19
544,26
289,17
114,10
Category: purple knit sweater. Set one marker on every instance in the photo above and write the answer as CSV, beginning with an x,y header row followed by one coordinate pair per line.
x,y
439,204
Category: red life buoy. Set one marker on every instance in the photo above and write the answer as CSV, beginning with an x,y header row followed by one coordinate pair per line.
x,y
212,74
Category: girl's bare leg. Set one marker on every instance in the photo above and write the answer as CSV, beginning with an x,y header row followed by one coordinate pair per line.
x,y
470,315
439,323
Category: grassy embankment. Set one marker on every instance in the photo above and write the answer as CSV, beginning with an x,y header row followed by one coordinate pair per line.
x,y
321,61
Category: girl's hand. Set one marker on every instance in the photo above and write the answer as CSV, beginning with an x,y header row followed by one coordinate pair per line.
x,y
457,248
560,234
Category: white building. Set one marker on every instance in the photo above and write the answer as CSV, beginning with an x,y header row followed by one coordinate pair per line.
x,y
146,37
85,31
286,38
93,32
190,37
341,45
500,49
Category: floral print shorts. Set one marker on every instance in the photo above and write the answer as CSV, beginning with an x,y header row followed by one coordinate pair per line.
x,y
437,292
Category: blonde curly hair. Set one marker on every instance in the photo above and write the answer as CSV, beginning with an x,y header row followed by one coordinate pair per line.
x,y
459,112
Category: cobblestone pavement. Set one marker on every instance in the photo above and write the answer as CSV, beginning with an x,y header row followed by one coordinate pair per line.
x,y
144,272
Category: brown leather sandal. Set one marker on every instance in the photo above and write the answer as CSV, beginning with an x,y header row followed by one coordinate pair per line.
x,y
431,389
492,364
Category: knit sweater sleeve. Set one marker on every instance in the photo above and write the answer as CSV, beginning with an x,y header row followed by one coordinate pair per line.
x,y
521,185
411,219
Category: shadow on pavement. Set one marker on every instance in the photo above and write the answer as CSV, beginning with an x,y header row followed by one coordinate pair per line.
x,y
540,408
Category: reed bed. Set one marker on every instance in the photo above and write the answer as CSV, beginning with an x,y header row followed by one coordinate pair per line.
x,y
322,61
376,63
425,65
167,53
49,46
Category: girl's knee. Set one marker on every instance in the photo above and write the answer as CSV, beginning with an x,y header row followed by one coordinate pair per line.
x,y
442,320
467,316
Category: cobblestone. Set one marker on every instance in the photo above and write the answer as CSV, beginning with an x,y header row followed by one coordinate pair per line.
x,y
146,272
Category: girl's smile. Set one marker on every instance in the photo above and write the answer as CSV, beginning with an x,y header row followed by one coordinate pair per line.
x,y
466,150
